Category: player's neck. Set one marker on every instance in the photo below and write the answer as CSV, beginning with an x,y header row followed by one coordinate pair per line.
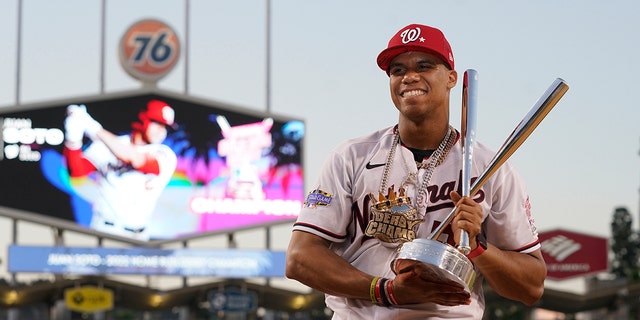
x,y
137,138
422,137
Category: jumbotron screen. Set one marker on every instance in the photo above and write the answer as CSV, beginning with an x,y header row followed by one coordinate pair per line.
x,y
151,166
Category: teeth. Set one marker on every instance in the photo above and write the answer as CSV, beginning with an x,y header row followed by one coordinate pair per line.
x,y
413,93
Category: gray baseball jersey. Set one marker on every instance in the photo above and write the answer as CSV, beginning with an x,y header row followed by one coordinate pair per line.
x,y
127,196
338,209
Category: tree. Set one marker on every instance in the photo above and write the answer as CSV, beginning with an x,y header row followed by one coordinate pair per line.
x,y
625,244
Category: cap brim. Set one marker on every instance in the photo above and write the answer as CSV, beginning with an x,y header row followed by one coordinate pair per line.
x,y
387,55
173,126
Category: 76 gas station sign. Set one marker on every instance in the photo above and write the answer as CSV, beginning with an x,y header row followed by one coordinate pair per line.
x,y
149,50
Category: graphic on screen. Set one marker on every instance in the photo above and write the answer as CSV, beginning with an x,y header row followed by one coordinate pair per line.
x,y
151,167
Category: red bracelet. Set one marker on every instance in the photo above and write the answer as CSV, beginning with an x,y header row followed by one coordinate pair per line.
x,y
476,252
392,297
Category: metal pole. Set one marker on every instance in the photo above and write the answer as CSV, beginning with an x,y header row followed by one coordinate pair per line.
x,y
185,280
18,52
58,240
267,242
103,18
268,57
14,313
186,46
231,241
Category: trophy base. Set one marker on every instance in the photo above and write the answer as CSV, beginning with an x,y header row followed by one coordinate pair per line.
x,y
441,260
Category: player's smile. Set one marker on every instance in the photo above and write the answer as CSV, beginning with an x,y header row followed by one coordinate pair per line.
x,y
420,84
412,93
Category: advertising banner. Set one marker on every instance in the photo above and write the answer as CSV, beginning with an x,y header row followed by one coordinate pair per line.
x,y
570,254
229,263
88,299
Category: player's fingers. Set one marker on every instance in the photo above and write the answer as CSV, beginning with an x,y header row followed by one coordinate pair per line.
x,y
413,272
436,279
410,288
466,202
403,266
466,219
468,209
468,223
455,196
452,299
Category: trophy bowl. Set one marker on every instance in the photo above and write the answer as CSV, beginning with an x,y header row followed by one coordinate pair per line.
x,y
440,260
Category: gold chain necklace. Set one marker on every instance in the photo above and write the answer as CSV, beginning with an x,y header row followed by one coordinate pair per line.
x,y
393,218
429,164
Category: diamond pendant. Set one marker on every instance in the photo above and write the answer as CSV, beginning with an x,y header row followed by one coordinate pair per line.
x,y
393,218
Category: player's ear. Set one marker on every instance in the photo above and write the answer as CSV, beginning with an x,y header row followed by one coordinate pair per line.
x,y
453,79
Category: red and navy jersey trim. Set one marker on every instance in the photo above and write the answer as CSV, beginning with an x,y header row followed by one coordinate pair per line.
x,y
321,230
528,247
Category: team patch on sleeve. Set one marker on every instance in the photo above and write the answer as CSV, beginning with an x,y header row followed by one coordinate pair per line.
x,y
317,198
532,221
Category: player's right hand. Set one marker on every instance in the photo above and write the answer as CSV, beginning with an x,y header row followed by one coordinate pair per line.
x,y
90,125
416,284
73,127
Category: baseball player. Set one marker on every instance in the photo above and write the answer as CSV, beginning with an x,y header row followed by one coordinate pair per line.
x,y
397,184
132,170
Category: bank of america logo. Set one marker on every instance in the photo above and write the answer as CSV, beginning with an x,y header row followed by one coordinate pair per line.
x,y
560,247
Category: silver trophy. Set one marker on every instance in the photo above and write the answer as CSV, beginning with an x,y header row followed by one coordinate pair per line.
x,y
440,259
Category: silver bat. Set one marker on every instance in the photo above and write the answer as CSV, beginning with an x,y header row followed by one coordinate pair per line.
x,y
467,140
527,125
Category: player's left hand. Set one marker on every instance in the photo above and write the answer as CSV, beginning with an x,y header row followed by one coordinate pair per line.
x,y
468,218
417,283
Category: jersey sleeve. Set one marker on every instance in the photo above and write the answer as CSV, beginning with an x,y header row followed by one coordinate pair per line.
x,y
150,165
510,224
77,164
161,161
99,155
327,208
166,160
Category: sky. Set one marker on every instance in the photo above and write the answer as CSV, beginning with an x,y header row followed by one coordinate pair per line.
x,y
579,164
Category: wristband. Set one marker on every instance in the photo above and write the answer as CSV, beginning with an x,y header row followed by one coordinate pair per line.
x,y
476,252
372,290
392,297
480,248
381,291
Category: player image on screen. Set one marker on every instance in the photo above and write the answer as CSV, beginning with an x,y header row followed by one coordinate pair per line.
x,y
130,170
243,145
286,155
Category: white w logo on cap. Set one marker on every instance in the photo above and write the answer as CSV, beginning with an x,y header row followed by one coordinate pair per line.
x,y
410,35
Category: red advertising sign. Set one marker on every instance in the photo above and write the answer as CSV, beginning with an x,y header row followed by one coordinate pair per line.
x,y
570,254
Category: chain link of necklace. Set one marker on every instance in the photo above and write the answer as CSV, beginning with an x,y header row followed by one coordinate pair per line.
x,y
434,160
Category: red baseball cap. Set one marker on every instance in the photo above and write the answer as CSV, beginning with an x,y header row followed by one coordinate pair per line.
x,y
416,37
159,111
